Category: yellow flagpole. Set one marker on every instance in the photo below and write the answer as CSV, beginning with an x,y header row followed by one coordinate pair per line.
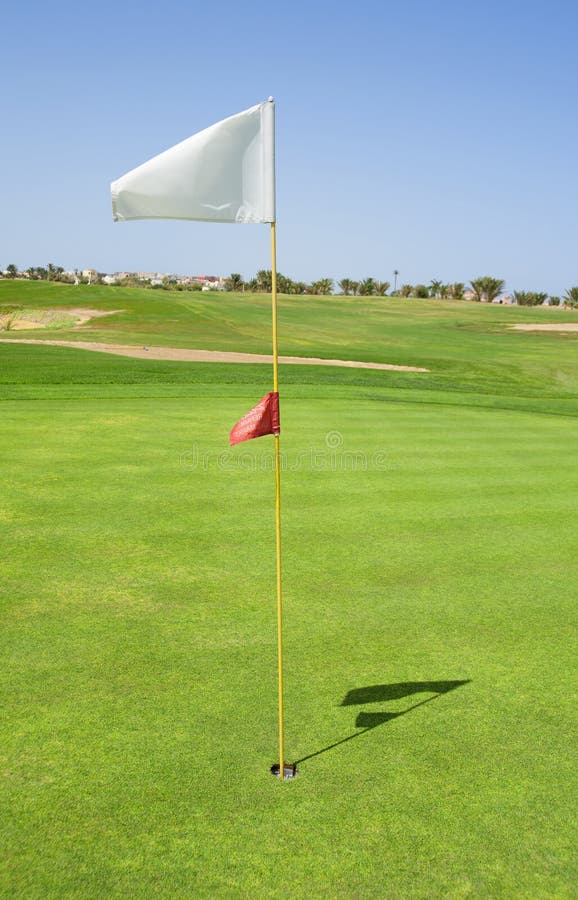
x,y
277,502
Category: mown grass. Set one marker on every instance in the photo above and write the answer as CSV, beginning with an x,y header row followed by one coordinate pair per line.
x,y
428,539
468,345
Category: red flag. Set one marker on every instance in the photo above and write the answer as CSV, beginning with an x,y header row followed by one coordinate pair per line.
x,y
262,419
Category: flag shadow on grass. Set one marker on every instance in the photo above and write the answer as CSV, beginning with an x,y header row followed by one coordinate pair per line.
x,y
381,693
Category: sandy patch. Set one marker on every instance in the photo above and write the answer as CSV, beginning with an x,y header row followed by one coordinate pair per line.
x,y
54,317
215,356
553,326
24,324
83,314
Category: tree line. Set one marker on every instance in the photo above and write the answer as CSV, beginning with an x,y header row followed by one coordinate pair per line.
x,y
39,273
483,289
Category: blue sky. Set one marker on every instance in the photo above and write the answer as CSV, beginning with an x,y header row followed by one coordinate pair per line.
x,y
438,138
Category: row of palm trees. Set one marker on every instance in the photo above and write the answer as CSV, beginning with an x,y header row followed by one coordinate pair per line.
x,y
484,289
262,283
36,273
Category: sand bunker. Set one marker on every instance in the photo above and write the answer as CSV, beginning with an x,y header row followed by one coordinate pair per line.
x,y
553,326
214,356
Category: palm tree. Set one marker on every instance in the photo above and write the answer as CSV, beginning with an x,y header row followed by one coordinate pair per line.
x,y
487,288
539,298
529,298
284,284
367,287
406,290
571,296
457,290
264,280
435,288
354,287
345,286
381,288
325,285
234,282
395,274
477,288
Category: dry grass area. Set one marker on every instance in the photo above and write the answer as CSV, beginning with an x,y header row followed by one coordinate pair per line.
x,y
550,326
31,319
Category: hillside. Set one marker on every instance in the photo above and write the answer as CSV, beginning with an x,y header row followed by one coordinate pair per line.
x,y
466,346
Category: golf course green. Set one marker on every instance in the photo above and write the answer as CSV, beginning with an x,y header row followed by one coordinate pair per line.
x,y
430,572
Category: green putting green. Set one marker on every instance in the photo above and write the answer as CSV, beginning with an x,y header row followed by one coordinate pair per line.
x,y
430,581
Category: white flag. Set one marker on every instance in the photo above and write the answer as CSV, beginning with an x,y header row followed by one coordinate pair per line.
x,y
225,173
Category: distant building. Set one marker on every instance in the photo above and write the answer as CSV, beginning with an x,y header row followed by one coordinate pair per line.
x,y
207,282
211,282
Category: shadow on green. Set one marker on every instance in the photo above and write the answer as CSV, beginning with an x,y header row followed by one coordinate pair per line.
x,y
382,693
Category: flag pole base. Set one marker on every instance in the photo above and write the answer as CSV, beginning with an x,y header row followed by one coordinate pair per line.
x,y
289,770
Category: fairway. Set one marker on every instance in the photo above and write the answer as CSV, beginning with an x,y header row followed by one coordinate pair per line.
x,y
430,577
